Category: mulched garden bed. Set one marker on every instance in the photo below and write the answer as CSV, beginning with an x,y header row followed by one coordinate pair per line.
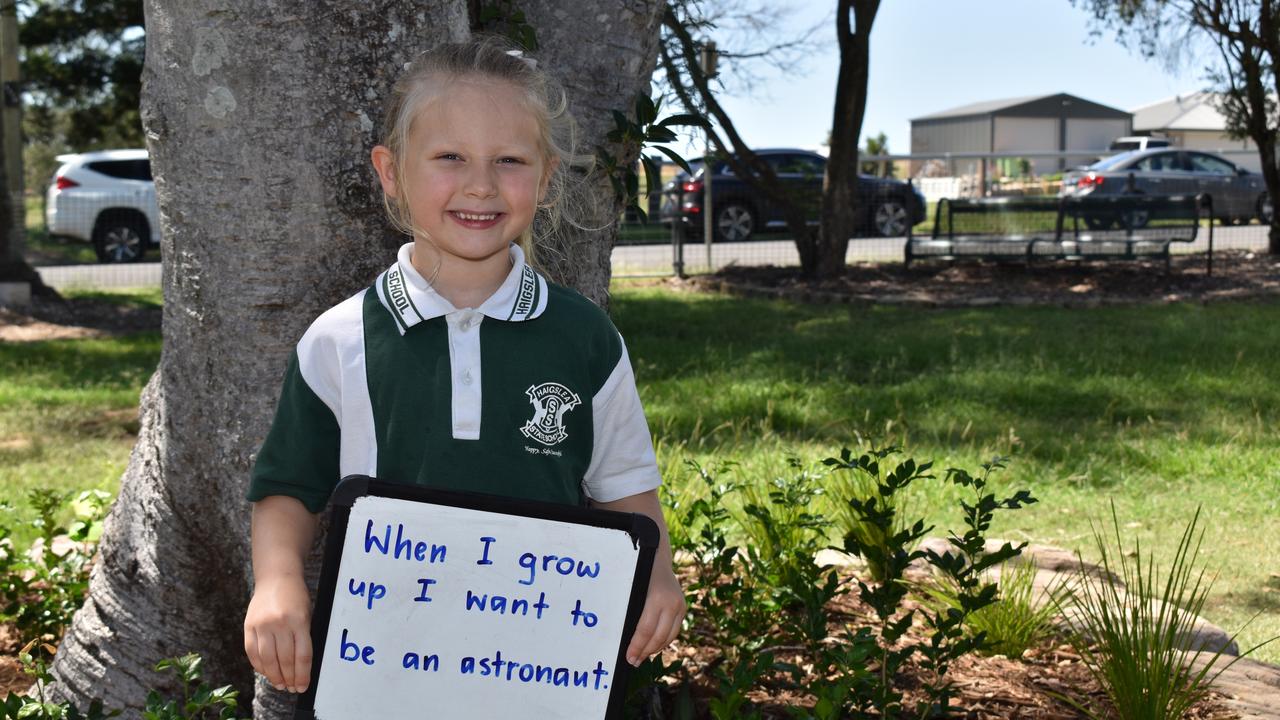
x,y
1237,275
987,688
12,679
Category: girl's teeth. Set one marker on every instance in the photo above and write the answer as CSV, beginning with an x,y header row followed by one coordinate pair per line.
x,y
467,216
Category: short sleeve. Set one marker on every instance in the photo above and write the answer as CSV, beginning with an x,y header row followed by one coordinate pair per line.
x,y
622,458
299,458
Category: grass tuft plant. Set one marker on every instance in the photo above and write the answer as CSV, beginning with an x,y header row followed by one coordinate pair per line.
x,y
1015,622
1133,639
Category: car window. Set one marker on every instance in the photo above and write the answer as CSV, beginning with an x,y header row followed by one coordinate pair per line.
x,y
1210,164
123,169
1160,162
795,164
1126,145
1113,162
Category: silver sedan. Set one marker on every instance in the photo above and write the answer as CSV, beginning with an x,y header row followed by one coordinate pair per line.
x,y
1238,195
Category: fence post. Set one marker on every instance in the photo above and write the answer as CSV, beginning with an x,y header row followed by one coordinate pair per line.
x,y
677,234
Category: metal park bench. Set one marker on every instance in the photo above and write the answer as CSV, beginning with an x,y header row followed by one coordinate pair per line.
x,y
1067,228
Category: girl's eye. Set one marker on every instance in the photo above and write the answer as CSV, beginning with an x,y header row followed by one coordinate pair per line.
x,y
448,156
510,160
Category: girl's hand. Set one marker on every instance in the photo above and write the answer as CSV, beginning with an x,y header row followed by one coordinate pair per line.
x,y
663,613
277,633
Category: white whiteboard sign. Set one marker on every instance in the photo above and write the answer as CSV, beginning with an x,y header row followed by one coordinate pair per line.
x,y
452,612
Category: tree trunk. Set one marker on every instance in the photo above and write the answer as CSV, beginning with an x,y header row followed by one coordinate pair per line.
x,y
13,268
259,126
1267,138
840,197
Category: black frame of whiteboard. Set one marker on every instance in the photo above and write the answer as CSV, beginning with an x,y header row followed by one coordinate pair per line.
x,y
641,528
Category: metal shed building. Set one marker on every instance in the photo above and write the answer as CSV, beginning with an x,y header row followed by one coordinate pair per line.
x,y
1193,121
1022,127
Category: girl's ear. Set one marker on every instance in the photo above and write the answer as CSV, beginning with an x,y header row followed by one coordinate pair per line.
x,y
384,161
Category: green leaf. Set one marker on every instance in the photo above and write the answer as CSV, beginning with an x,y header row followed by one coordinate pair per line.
x,y
659,135
683,119
675,158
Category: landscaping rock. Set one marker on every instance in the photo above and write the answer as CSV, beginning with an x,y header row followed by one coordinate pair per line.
x,y
1251,688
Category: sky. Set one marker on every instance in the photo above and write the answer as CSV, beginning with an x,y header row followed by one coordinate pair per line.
x,y
933,55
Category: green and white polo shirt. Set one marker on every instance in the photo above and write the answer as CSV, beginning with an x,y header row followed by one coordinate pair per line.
x,y
530,395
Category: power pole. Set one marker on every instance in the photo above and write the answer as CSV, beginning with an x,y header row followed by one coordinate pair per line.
x,y
708,59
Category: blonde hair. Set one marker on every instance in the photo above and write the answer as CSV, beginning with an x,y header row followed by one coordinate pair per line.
x,y
494,58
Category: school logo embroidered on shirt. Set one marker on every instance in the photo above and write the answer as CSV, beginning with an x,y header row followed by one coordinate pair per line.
x,y
550,402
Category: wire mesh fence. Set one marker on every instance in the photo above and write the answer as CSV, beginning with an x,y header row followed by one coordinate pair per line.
x,y
674,238
109,233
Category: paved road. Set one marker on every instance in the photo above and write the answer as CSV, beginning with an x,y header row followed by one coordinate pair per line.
x,y
647,259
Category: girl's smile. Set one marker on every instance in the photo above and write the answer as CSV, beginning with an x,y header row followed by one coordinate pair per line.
x,y
476,221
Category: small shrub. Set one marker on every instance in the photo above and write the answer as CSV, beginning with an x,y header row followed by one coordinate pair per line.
x,y
964,569
1134,647
37,706
40,591
719,593
786,535
198,702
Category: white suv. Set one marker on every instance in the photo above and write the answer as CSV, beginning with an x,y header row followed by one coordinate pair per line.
x,y
107,198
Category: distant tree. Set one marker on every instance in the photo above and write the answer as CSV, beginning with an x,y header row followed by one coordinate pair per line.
x,y
1246,37
822,251
82,78
13,268
877,144
840,199
679,57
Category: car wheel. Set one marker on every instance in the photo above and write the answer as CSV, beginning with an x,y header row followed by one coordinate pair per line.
x,y
120,239
1136,219
735,223
1265,209
890,219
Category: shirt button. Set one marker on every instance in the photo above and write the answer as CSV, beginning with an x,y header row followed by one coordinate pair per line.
x,y
466,378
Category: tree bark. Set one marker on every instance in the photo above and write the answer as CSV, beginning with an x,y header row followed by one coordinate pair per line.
x,y
840,197
259,125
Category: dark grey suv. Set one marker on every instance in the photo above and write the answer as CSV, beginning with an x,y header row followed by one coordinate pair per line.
x,y
888,206
1238,195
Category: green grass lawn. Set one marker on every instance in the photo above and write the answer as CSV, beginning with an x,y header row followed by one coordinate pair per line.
x,y
68,409
1158,409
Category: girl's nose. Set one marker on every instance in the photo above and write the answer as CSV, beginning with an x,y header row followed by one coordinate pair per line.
x,y
481,181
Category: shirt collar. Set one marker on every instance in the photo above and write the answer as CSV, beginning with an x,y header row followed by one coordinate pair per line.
x,y
410,298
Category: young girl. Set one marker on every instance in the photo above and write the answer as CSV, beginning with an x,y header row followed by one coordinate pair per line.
x,y
462,367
